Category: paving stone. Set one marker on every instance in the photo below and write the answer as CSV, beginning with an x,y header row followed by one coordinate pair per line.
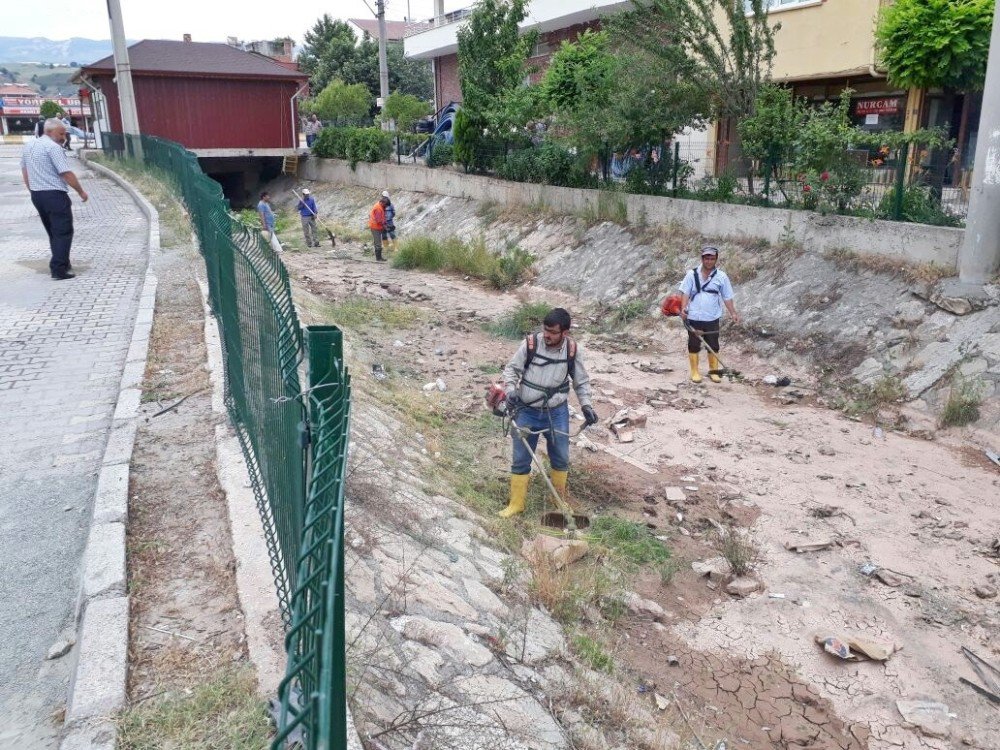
x,y
62,349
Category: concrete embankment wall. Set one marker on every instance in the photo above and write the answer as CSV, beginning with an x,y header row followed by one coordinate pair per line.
x,y
915,243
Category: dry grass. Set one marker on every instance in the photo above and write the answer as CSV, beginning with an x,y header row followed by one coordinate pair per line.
x,y
962,406
926,273
740,551
222,714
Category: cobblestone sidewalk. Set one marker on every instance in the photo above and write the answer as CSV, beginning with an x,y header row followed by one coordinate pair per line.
x,y
62,351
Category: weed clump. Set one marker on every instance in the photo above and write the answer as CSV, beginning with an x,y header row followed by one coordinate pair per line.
x,y
593,653
740,551
633,543
474,259
962,406
521,321
359,312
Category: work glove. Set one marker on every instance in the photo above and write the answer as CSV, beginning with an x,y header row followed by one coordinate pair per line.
x,y
513,404
589,416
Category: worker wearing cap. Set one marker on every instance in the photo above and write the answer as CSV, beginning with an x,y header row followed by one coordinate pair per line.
x,y
537,382
307,212
706,289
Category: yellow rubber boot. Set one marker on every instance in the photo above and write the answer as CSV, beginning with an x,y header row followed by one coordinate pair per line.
x,y
695,375
713,364
518,493
559,482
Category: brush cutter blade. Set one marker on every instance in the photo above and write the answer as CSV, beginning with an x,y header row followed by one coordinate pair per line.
x,y
555,519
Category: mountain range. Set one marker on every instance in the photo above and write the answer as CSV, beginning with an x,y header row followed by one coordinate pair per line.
x,y
76,51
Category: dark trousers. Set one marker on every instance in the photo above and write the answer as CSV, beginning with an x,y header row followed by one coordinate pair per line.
x,y
377,240
709,329
56,212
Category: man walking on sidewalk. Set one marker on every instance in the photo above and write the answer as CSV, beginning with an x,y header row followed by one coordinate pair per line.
x,y
537,382
307,211
48,177
376,223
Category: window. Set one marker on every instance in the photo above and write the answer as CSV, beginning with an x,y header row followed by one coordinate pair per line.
x,y
771,5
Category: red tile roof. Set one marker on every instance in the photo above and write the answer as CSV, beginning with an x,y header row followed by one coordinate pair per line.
x,y
168,57
17,89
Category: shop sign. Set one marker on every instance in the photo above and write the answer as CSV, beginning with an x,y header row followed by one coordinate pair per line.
x,y
19,105
888,106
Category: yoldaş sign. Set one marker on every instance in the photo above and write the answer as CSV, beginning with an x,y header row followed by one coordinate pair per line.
x,y
885,106
15,105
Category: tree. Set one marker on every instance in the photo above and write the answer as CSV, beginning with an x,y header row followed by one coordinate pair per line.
x,y
49,109
768,135
492,65
404,110
344,104
936,43
405,75
328,48
727,60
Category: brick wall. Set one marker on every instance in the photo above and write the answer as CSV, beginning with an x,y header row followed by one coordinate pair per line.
x,y
446,85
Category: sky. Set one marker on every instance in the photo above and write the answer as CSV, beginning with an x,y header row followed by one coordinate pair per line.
x,y
204,20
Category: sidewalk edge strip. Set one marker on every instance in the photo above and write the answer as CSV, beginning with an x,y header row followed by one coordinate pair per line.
x,y
98,689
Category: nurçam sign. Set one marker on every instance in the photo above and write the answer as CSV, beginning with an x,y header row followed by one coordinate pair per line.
x,y
886,106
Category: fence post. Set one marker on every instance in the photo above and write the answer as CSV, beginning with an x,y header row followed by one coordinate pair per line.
x,y
399,159
900,186
677,159
325,345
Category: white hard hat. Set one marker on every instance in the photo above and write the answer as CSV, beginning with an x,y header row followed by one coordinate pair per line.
x,y
305,191
385,193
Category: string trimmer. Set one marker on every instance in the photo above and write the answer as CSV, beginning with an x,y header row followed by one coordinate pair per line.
x,y
671,308
329,232
563,519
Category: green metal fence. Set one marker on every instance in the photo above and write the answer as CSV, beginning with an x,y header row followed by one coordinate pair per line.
x,y
294,441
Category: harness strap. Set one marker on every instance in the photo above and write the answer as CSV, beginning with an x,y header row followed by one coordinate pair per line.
x,y
699,287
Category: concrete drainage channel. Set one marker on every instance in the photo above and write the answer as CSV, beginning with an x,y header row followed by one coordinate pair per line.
x,y
98,690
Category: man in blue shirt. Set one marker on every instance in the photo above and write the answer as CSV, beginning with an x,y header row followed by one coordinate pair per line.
x,y
267,220
48,177
705,290
307,211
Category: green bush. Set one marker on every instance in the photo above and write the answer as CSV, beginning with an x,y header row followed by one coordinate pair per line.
x,y
470,258
353,144
919,206
441,155
631,542
548,164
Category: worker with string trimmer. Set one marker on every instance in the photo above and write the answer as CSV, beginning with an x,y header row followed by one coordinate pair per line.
x,y
704,292
536,384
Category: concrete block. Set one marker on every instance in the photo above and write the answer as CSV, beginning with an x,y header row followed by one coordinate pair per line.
x,y
99,685
144,317
100,735
104,561
111,503
132,375
120,443
137,351
128,403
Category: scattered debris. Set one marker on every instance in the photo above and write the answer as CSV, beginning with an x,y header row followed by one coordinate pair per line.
x,y
985,591
863,648
622,432
886,576
716,568
661,703
562,552
930,717
587,444
673,661
994,457
674,494
743,586
440,385
986,672
809,546
59,649
378,371
829,511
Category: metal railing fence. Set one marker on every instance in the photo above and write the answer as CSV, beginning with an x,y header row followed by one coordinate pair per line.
x,y
294,442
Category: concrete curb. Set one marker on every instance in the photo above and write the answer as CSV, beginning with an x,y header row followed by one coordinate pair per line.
x,y
98,689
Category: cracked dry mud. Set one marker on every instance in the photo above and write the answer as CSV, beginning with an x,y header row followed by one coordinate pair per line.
x,y
749,671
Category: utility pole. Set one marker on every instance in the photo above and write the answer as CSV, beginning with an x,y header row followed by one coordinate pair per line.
x,y
123,71
979,256
383,64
